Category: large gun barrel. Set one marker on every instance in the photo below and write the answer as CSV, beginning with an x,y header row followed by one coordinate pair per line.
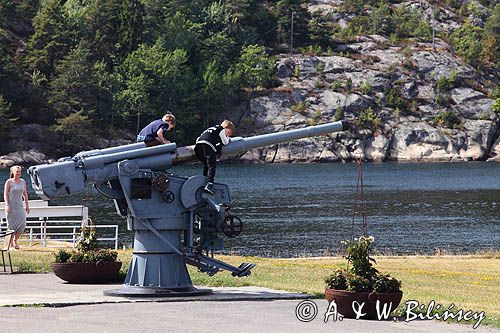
x,y
71,175
240,145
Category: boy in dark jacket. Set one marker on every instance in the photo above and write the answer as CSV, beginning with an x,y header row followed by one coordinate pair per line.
x,y
208,145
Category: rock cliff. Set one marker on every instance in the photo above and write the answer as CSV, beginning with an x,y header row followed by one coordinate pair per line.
x,y
412,103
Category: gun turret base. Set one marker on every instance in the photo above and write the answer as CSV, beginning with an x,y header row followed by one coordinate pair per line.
x,y
127,291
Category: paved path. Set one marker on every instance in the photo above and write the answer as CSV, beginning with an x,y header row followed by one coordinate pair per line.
x,y
228,310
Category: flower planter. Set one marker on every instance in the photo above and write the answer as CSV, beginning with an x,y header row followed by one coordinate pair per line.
x,y
344,300
84,272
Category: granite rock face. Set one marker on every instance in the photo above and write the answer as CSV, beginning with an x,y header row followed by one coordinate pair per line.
x,y
392,99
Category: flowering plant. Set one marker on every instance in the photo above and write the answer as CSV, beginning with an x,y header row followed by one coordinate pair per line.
x,y
360,274
87,250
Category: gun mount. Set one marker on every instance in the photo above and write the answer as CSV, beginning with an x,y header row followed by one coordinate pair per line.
x,y
175,221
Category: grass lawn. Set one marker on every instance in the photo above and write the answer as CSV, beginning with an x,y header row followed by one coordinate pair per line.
x,y
471,282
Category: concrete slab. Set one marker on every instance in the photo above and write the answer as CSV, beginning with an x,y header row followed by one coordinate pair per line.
x,y
83,308
47,289
206,316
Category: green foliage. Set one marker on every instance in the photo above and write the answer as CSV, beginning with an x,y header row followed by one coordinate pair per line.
x,y
255,66
283,12
336,281
155,80
394,99
52,38
381,20
76,133
467,41
62,256
447,119
339,114
336,85
105,255
87,241
410,23
319,31
87,250
366,88
358,283
442,85
361,276
300,107
368,119
181,33
348,84
70,90
453,79
386,284
296,71
496,107
358,255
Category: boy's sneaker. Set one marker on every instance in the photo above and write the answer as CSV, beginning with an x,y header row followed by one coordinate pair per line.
x,y
209,188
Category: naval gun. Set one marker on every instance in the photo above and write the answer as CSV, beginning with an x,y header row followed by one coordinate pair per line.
x,y
175,221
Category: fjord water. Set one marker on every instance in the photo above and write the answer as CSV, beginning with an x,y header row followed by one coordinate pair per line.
x,y
306,209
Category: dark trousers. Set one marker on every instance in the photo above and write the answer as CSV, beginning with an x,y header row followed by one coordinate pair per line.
x,y
207,156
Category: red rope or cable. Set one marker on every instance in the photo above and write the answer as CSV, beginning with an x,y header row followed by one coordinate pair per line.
x,y
360,192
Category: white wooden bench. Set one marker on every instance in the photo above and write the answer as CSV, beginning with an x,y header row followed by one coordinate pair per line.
x,y
56,223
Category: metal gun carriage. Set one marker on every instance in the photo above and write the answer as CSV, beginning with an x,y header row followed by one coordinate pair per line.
x,y
174,220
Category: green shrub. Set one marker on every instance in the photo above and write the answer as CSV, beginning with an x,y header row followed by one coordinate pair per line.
x,y
368,119
496,107
76,257
396,113
300,107
320,67
442,85
467,40
336,85
453,80
361,276
447,119
336,281
410,23
296,71
105,255
28,267
76,132
366,88
339,114
358,283
87,250
62,256
88,240
348,84
386,284
394,99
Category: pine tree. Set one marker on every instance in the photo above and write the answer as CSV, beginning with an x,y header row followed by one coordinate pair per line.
x,y
283,12
52,39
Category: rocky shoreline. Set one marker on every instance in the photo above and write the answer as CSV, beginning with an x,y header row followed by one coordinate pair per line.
x,y
411,103
419,105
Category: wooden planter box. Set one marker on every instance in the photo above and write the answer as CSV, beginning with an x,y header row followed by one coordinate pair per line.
x,y
344,299
84,272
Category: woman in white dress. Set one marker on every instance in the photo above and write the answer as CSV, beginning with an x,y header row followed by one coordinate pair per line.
x,y
14,193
